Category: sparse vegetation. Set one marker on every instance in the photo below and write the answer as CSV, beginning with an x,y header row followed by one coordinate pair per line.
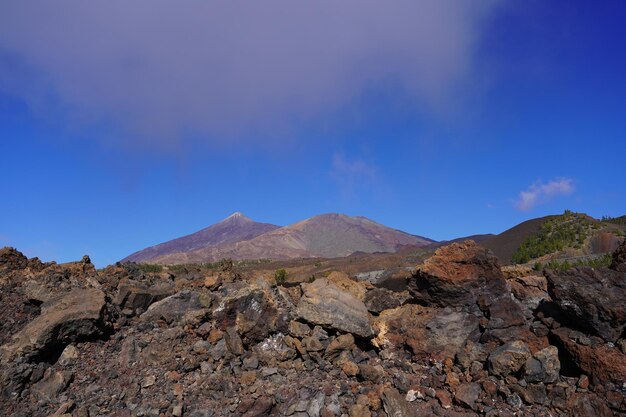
x,y
597,262
280,276
568,230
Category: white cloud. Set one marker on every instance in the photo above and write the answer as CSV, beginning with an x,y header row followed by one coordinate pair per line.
x,y
540,192
157,70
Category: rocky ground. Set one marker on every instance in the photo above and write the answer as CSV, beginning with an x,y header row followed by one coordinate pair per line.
x,y
464,337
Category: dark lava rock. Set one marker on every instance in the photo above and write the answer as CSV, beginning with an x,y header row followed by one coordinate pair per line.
x,y
592,299
457,275
380,299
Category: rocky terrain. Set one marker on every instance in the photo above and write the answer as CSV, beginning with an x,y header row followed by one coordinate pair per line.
x,y
238,237
462,336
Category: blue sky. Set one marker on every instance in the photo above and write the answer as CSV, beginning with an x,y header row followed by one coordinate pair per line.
x,y
442,119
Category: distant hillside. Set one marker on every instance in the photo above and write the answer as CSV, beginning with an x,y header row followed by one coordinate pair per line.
x,y
505,244
234,228
570,236
327,235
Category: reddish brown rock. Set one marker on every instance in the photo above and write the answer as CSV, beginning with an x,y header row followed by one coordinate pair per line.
x,y
457,275
601,362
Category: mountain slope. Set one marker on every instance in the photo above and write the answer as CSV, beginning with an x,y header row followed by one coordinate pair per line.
x,y
505,244
327,235
234,228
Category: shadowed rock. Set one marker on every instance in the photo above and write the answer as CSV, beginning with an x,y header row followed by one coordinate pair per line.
x,y
76,316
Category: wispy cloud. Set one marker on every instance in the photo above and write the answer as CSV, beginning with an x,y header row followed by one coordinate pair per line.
x,y
156,70
540,192
353,175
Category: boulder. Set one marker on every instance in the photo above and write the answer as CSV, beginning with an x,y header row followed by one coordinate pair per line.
x,y
175,307
508,358
467,394
52,384
601,362
325,304
380,299
619,258
429,333
543,366
457,275
134,297
591,299
255,312
395,404
12,259
76,316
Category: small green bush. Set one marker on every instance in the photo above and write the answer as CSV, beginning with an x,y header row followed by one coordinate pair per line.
x,y
280,276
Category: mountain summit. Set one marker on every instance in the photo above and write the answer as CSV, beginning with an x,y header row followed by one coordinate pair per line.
x,y
327,235
235,228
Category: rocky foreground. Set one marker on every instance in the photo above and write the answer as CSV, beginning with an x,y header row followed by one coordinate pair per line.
x,y
463,338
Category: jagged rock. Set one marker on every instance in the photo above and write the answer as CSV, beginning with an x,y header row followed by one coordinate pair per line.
x,y
69,355
233,341
11,259
601,362
527,286
341,343
467,394
133,297
619,258
76,316
457,275
592,299
428,332
394,404
589,405
543,366
254,312
324,304
508,358
343,281
380,299
173,309
52,384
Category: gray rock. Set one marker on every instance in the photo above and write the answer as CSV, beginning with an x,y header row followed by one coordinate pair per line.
x,y
394,404
77,315
133,297
508,358
325,304
467,394
52,384
543,366
173,308
380,299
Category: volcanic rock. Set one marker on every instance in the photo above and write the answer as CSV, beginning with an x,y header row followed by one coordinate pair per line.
x,y
174,308
619,258
457,275
543,366
325,304
508,358
602,362
11,259
133,297
592,299
76,316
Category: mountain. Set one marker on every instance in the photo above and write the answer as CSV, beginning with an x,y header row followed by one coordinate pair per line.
x,y
327,235
570,236
234,228
506,244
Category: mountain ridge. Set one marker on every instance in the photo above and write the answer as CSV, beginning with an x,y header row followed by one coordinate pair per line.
x,y
326,235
